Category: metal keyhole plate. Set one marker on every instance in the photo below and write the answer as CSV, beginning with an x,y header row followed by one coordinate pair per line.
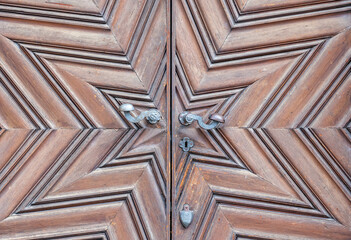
x,y
186,144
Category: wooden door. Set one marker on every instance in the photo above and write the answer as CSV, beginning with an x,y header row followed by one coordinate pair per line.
x,y
72,166
279,71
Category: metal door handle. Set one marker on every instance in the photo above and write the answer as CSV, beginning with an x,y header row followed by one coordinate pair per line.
x,y
187,118
152,115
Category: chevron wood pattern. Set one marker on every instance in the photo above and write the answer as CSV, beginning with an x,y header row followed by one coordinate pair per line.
x,y
290,180
285,74
71,182
279,71
71,165
90,62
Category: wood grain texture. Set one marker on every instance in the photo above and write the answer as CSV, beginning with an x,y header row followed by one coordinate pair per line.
x,y
281,68
89,67
71,182
279,71
265,184
71,165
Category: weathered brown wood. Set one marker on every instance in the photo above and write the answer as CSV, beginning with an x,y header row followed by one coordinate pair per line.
x,y
279,71
73,167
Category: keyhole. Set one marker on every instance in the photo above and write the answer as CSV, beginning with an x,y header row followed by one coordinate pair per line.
x,y
185,144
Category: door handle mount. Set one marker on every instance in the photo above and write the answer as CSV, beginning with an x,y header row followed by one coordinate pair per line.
x,y
186,118
152,115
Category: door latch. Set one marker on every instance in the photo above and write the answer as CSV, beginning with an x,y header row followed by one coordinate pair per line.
x,y
152,115
186,118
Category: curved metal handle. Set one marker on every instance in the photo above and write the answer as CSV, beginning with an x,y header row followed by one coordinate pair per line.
x,y
152,115
187,118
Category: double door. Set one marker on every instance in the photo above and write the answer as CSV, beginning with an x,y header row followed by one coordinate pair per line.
x,y
269,79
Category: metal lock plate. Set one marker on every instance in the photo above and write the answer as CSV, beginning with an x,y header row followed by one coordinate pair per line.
x,y
186,216
186,144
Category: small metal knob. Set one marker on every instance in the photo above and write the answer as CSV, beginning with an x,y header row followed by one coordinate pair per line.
x,y
127,107
186,118
152,115
217,117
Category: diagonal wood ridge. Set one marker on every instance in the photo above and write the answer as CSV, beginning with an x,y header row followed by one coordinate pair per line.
x,y
73,167
279,71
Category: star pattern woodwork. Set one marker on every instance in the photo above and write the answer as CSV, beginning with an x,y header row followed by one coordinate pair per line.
x,y
80,187
221,59
90,69
279,167
71,165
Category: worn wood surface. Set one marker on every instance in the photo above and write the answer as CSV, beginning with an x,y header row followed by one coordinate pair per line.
x,y
72,166
279,71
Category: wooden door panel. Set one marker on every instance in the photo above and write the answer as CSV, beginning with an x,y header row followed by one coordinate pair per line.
x,y
89,70
84,6
71,182
279,71
71,165
269,182
260,66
